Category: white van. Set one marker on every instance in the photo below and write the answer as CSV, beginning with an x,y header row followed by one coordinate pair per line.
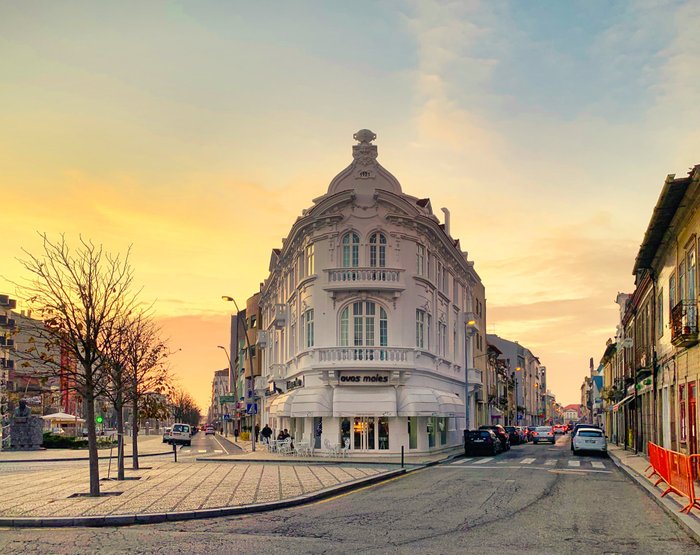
x,y
182,434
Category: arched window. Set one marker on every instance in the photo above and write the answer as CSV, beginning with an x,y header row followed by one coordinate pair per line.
x,y
377,250
364,326
351,250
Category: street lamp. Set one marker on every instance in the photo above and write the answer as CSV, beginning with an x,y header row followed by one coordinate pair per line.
x,y
514,375
230,371
470,328
249,350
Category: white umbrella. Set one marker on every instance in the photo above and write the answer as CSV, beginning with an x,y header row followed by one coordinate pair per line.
x,y
62,417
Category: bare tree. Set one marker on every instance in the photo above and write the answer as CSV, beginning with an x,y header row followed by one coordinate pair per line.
x,y
82,295
184,408
148,376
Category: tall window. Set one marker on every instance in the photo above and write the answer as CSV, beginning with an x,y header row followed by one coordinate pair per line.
x,y
364,324
440,274
422,329
442,338
309,260
691,274
682,293
660,314
420,260
308,322
377,250
672,291
351,250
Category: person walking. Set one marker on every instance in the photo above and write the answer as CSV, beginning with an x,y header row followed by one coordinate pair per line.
x,y
266,434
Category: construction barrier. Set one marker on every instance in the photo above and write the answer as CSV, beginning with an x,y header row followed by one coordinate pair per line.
x,y
677,471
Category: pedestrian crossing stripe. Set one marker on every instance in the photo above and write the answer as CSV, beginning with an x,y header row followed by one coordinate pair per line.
x,y
461,461
550,462
218,451
527,461
484,461
574,463
201,451
597,464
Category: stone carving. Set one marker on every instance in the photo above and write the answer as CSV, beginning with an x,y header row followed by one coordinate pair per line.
x,y
26,431
365,153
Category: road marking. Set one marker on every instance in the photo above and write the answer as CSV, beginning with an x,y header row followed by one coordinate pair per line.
x,y
461,462
550,462
527,461
218,451
185,450
484,461
220,445
597,464
201,450
574,463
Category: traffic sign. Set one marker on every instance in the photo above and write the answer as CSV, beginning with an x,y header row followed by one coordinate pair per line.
x,y
251,408
227,417
227,399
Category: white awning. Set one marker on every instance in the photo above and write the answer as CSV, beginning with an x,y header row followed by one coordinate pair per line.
x,y
450,404
313,401
627,399
62,417
418,401
282,404
364,401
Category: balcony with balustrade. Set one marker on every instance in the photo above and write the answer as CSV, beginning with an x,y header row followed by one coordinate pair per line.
x,y
684,323
364,279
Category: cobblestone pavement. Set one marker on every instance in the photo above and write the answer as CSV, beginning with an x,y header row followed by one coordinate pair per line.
x,y
166,487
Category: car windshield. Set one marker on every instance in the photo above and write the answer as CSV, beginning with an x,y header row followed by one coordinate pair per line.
x,y
181,428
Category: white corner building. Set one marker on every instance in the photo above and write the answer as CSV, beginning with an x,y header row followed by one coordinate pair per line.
x,y
369,314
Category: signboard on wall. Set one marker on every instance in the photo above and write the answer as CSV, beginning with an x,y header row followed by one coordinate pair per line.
x,y
351,377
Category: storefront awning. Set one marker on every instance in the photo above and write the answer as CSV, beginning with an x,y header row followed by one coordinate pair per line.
x,y
450,404
364,401
417,401
627,399
313,401
282,404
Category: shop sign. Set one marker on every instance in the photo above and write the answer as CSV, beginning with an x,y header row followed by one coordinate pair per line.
x,y
363,378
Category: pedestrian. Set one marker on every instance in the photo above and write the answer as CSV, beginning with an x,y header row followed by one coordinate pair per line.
x,y
235,434
266,434
257,431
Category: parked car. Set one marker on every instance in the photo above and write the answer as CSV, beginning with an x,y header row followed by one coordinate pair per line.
x,y
589,439
167,435
580,425
530,432
542,434
501,433
514,435
209,430
181,435
524,434
481,442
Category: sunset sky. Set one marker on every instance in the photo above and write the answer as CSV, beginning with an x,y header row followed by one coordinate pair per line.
x,y
198,131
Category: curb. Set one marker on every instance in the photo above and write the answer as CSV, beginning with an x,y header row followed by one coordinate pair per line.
x,y
69,459
310,461
152,518
687,523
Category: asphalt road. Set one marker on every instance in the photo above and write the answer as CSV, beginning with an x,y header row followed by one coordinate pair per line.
x,y
533,499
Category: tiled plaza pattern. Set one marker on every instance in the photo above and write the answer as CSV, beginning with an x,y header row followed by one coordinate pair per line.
x,y
169,487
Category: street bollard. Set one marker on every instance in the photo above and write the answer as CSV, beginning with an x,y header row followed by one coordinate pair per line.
x,y
175,451
402,456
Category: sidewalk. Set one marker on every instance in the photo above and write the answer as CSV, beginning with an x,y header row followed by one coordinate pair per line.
x,y
173,491
634,466
262,455
148,446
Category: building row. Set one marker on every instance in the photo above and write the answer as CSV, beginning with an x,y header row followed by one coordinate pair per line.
x,y
645,386
369,330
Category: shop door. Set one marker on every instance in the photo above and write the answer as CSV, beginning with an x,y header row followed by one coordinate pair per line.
x,y
363,433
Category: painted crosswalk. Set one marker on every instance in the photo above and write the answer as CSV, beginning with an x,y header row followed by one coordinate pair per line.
x,y
578,465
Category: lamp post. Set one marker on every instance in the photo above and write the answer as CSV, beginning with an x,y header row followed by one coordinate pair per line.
x,y
235,384
470,329
514,375
249,350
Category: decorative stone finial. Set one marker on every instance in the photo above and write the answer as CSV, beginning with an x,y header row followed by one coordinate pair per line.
x,y
364,136
364,153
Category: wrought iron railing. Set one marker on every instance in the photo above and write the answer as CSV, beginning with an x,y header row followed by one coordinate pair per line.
x,y
684,320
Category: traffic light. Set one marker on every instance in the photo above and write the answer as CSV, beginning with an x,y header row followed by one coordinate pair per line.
x,y
99,419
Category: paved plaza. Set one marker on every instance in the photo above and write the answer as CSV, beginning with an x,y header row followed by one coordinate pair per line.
x,y
167,487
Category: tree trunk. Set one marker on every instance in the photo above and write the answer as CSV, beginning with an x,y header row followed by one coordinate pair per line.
x,y
119,407
92,447
135,433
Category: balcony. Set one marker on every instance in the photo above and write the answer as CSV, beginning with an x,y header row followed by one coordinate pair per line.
x,y
341,355
368,279
684,324
261,339
278,372
279,318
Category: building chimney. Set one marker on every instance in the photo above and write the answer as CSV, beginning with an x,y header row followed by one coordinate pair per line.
x,y
447,221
